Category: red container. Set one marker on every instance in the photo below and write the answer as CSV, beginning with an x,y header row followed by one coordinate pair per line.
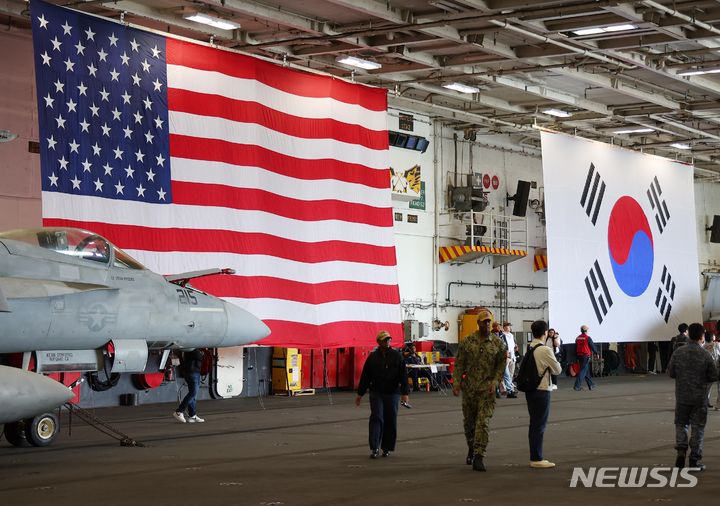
x,y
424,345
344,368
359,355
331,368
306,368
318,369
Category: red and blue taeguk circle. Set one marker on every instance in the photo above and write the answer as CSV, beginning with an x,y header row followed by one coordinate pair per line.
x,y
630,243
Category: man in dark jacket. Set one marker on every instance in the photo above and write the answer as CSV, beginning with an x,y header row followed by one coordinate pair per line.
x,y
693,369
385,375
192,364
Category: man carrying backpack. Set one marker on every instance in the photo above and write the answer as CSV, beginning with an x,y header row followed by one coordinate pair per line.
x,y
534,379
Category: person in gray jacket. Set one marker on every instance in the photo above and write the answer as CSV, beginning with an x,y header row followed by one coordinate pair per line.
x,y
693,370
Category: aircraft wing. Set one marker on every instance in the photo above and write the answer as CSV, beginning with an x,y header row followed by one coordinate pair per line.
x,y
183,278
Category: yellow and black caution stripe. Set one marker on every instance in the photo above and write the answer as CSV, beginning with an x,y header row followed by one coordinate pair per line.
x,y
449,253
540,263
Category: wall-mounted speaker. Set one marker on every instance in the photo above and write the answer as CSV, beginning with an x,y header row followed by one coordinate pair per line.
x,y
520,198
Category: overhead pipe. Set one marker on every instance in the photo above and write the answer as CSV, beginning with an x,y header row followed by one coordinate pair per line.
x,y
490,285
679,15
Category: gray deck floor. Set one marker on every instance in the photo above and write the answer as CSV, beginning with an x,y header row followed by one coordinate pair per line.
x,y
313,451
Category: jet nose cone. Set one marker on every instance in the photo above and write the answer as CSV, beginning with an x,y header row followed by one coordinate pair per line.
x,y
243,327
24,394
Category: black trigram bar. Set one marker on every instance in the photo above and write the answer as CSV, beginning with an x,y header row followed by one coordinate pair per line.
x,y
594,187
598,291
665,294
662,215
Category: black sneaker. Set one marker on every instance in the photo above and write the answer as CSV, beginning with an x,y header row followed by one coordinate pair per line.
x,y
470,455
386,453
512,395
696,466
478,464
680,461
375,454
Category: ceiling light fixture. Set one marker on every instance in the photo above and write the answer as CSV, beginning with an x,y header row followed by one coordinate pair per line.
x,y
604,29
354,61
634,131
462,88
558,112
222,24
680,145
698,72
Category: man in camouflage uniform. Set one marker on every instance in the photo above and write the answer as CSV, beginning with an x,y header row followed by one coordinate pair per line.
x,y
694,370
479,367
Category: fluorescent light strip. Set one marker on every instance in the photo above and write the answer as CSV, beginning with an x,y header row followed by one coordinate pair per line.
x,y
680,145
558,112
634,131
698,72
354,61
604,29
222,24
462,88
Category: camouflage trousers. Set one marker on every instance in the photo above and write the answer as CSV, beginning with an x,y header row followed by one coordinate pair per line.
x,y
694,418
477,410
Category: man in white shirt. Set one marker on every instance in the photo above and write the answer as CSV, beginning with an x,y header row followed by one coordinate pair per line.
x,y
510,368
538,401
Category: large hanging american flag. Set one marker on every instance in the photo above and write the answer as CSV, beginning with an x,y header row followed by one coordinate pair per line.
x,y
191,157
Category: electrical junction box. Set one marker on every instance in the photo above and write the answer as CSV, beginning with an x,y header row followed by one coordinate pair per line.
x,y
415,330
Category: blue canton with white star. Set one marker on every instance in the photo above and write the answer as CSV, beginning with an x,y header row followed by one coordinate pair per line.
x,y
102,107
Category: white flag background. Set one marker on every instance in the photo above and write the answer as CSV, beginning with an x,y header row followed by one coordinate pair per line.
x,y
622,245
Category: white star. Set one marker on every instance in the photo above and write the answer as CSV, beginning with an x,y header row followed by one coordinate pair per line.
x,y
46,58
150,175
71,105
69,65
140,156
84,125
63,163
51,142
130,171
141,190
80,48
160,160
113,40
158,122
161,194
56,44
126,98
53,179
136,79
155,52
49,101
134,45
82,89
104,95
74,146
59,87
66,28
118,153
157,84
96,149
125,58
102,54
76,183
106,129
119,188
98,185
87,166
60,121
108,169
148,103
90,34
114,74
95,110
128,132
92,70
116,114
138,117
43,21
149,137
145,65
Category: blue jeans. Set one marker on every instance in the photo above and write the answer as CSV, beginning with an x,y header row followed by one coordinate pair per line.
x,y
507,379
193,383
584,373
383,420
538,404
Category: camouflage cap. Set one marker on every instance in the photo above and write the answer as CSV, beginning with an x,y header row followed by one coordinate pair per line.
x,y
485,314
383,335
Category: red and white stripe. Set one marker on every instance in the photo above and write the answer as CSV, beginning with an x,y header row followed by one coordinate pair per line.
x,y
280,175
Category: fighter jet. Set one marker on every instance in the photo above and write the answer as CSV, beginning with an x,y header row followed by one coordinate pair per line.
x,y
79,303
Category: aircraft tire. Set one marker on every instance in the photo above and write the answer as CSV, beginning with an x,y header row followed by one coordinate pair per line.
x,y
15,434
42,429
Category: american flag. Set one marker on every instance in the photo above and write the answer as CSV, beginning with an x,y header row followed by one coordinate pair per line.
x,y
191,157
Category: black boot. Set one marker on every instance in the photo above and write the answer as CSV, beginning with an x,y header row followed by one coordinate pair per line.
x,y
470,455
680,460
695,465
478,464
